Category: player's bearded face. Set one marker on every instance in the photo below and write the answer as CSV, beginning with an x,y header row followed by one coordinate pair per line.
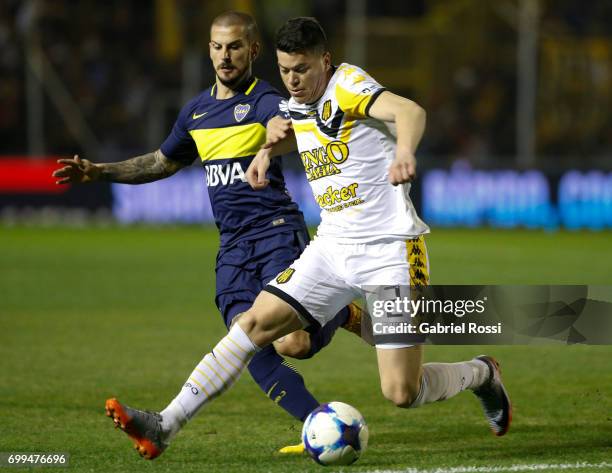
x,y
231,54
305,75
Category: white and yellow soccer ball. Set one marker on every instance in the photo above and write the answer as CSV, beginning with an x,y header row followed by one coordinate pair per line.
x,y
335,434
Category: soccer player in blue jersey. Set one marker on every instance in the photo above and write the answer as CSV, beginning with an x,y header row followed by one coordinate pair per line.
x,y
261,232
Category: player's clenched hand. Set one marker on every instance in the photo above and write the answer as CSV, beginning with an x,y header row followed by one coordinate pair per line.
x,y
256,173
76,170
402,169
277,130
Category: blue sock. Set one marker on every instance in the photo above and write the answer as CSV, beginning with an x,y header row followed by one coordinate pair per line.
x,y
319,339
282,383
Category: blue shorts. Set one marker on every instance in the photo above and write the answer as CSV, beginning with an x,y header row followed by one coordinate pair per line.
x,y
247,266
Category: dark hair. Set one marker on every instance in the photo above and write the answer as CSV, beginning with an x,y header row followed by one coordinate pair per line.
x,y
233,18
301,34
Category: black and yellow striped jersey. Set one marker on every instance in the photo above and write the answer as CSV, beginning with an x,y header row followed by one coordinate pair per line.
x,y
346,155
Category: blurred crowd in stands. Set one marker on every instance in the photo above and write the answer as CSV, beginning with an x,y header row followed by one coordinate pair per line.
x,y
118,59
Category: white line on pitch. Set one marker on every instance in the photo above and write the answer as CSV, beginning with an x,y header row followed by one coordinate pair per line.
x,y
504,469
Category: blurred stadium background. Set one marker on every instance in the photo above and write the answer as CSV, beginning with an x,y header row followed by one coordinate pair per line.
x,y
518,94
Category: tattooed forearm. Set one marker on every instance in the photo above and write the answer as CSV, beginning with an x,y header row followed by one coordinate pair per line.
x,y
146,168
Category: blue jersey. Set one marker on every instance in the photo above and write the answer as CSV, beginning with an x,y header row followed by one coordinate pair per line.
x,y
226,134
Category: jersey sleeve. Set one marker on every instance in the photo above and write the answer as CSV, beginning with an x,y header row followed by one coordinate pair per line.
x,y
267,107
179,145
356,91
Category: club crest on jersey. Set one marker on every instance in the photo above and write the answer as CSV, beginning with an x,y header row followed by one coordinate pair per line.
x,y
326,113
283,277
240,111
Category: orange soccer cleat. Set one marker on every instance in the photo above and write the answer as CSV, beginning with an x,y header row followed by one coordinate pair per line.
x,y
144,428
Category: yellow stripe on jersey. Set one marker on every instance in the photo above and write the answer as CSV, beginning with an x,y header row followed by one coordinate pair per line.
x,y
351,103
305,127
323,139
311,127
417,261
229,142
252,86
345,130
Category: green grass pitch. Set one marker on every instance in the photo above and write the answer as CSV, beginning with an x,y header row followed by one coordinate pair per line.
x,y
86,314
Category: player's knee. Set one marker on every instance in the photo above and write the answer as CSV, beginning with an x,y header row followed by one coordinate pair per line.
x,y
402,394
257,319
291,350
294,345
248,321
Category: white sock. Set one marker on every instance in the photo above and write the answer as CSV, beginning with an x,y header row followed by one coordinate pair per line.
x,y
212,376
444,380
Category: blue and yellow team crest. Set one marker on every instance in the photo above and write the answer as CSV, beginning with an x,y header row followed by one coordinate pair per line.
x,y
283,277
326,113
240,111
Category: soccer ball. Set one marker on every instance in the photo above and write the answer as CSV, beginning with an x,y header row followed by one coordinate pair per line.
x,y
335,434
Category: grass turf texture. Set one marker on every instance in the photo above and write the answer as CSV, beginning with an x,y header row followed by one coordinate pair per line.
x,y
88,314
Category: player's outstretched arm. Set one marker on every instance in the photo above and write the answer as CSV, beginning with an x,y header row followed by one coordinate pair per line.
x,y
146,168
280,139
409,119
256,173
